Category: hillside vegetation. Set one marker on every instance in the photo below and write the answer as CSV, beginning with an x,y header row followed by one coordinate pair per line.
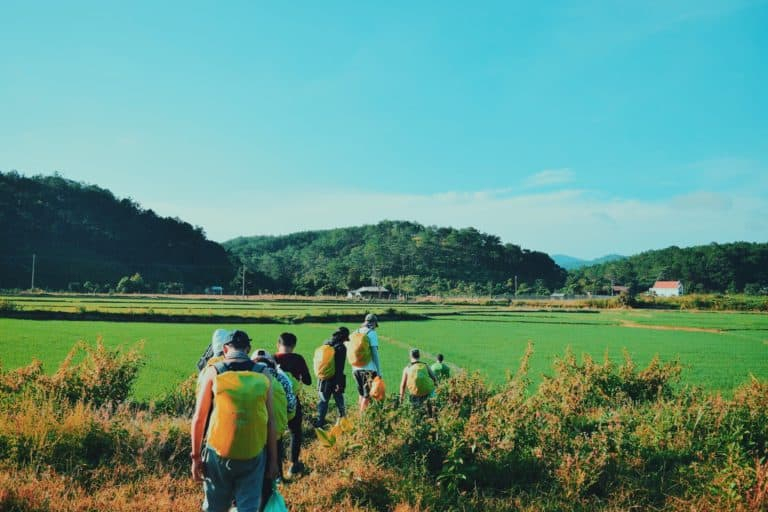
x,y
403,256
716,268
83,233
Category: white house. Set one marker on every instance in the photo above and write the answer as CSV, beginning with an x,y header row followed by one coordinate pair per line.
x,y
667,288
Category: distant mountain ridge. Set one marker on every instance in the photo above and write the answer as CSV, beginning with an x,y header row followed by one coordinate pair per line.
x,y
571,262
405,256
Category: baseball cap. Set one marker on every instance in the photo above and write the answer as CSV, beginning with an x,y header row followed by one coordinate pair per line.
x,y
238,339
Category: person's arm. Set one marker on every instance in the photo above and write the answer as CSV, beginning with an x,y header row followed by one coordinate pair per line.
x,y
305,376
271,437
403,382
340,358
376,363
199,419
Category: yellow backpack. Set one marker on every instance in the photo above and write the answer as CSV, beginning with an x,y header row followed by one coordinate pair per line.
x,y
324,362
238,424
359,349
418,380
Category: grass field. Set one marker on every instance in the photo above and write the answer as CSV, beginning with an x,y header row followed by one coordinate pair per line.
x,y
719,350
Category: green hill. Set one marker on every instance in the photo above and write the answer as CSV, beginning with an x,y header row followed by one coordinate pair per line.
x,y
403,256
83,233
733,267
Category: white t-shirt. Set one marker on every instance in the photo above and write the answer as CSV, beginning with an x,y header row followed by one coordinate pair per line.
x,y
374,339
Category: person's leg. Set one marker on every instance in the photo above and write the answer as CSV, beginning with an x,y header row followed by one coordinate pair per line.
x,y
217,485
296,438
365,396
322,405
339,398
249,482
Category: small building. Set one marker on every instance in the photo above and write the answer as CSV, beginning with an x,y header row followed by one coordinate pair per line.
x,y
667,289
368,292
214,290
617,289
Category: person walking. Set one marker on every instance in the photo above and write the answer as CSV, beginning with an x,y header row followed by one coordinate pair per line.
x,y
363,356
231,455
440,369
296,368
336,383
418,380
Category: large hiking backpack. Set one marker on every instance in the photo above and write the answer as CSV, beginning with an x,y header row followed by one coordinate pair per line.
x,y
238,422
324,362
359,349
418,380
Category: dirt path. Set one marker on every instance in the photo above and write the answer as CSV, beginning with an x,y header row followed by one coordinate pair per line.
x,y
635,325
424,353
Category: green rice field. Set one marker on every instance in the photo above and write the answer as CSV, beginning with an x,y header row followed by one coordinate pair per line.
x,y
719,350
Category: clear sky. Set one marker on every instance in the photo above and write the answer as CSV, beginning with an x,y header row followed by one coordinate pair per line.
x,y
582,128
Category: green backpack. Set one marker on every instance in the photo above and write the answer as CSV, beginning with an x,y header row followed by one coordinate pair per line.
x,y
418,380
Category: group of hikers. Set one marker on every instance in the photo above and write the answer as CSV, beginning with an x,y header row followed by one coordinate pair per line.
x,y
246,401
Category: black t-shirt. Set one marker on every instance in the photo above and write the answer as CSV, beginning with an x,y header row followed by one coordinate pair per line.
x,y
296,365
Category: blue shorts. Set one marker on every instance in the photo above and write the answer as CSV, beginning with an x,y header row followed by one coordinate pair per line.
x,y
228,479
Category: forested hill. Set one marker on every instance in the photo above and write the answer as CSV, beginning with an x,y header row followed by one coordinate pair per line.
x,y
403,256
734,267
82,233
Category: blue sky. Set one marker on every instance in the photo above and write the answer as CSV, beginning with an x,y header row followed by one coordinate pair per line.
x,y
582,128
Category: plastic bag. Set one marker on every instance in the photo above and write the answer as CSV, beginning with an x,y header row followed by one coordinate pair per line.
x,y
378,390
276,502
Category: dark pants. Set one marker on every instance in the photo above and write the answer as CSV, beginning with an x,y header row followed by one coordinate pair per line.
x,y
325,391
294,426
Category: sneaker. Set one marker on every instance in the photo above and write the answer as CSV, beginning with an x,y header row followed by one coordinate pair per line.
x,y
296,468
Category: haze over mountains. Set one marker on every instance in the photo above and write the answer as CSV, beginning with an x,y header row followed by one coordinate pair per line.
x,y
571,262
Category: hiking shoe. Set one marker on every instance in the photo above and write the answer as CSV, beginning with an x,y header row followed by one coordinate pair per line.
x,y
296,468
318,424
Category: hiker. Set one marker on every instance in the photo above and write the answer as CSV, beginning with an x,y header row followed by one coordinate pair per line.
x,y
295,367
284,402
240,441
332,382
214,353
418,380
363,356
440,369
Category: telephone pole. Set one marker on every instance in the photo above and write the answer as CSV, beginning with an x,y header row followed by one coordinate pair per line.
x,y
515,286
34,257
243,280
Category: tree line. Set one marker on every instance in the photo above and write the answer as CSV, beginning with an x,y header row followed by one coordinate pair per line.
x,y
405,257
86,239
739,267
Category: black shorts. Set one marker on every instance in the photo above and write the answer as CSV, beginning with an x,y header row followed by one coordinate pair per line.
x,y
364,379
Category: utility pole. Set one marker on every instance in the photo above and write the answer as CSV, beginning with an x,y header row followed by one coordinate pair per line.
x,y
34,257
243,280
515,286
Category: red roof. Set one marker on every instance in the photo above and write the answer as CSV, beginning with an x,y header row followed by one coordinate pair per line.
x,y
666,284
